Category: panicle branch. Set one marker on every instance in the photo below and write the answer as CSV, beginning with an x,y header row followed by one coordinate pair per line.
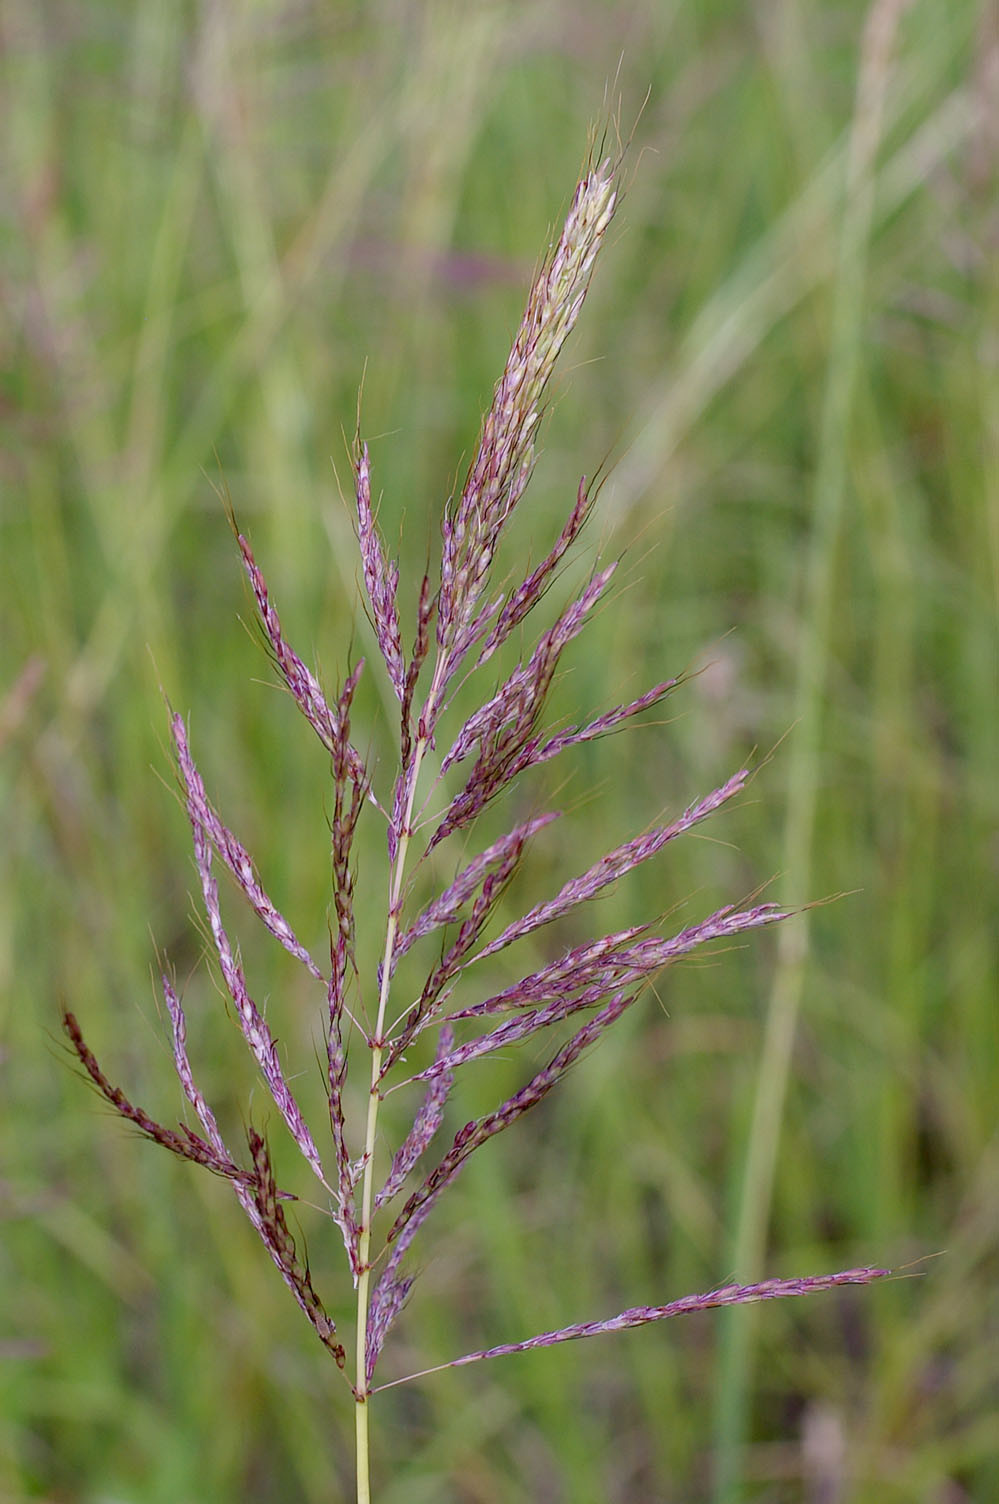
x,y
478,1132
421,646
505,457
256,1189
336,1079
348,798
615,864
381,578
446,907
261,1201
530,591
522,696
436,988
255,1031
182,1065
187,1145
583,977
303,685
723,1295
427,1121
615,956
504,728
233,854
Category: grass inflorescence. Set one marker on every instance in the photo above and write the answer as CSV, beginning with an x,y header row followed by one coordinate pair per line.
x,y
450,767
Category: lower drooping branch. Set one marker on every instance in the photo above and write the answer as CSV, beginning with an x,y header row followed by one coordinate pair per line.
x,y
723,1295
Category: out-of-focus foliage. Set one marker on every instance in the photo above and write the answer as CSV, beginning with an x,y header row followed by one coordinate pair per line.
x,y
217,222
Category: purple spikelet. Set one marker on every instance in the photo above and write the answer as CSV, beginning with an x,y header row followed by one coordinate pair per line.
x,y
381,579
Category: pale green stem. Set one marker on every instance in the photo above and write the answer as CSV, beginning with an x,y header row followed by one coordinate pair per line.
x,y
828,521
362,1394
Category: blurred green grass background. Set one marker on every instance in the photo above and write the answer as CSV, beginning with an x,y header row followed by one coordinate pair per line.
x,y
217,220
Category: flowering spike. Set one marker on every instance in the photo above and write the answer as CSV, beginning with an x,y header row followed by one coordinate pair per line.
x,y
389,1296
611,720
182,1065
723,1295
421,646
426,1122
185,1144
505,456
304,686
336,1076
616,955
255,1031
381,578
529,593
447,906
263,1203
584,977
476,1133
504,728
614,865
436,988
233,854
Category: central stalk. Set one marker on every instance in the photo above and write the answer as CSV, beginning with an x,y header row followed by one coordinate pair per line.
x,y
377,1043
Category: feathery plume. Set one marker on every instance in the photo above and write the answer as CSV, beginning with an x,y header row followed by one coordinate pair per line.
x,y
460,623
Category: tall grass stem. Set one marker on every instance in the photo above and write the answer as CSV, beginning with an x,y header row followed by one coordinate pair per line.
x,y
805,759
